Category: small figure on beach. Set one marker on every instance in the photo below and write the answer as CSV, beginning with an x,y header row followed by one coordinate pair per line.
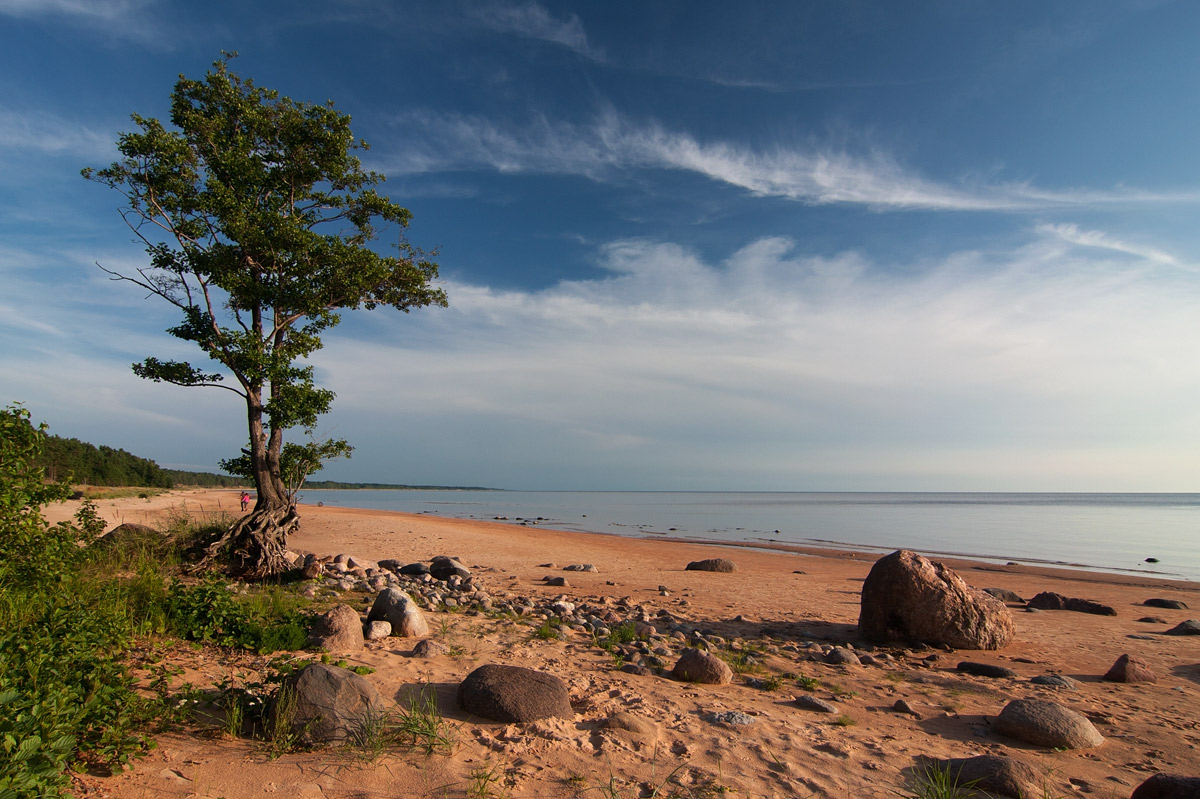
x,y
245,499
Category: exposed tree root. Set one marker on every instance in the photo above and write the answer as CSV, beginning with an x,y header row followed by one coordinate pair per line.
x,y
252,548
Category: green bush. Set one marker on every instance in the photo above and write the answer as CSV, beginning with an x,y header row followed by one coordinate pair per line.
x,y
65,694
209,611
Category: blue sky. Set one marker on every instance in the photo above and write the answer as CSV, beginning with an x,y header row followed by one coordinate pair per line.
x,y
687,245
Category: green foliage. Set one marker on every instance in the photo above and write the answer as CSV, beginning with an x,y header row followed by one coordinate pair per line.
x,y
296,462
419,724
933,780
64,692
81,462
209,611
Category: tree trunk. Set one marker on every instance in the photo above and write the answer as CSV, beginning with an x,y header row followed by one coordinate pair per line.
x,y
253,546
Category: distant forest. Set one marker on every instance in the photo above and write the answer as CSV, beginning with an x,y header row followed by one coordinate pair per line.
x,y
87,464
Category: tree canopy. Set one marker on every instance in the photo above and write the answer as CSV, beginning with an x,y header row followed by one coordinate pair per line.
x,y
258,220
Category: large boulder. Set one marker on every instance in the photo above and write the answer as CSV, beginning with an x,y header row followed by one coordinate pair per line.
x,y
910,598
443,568
701,667
338,630
1168,786
395,606
1042,723
514,694
994,775
323,703
1189,627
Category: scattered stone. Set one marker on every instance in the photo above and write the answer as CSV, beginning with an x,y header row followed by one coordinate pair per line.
x,y
550,565
1169,604
580,567
1130,669
902,706
338,630
1153,620
909,598
986,670
701,667
1004,595
805,702
732,717
414,569
443,568
842,656
377,630
1189,627
428,648
330,703
722,565
558,582
993,775
514,694
1168,786
1043,723
1056,681
637,670
397,607
1048,600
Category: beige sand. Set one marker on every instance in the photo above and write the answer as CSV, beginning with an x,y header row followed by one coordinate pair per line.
x,y
786,752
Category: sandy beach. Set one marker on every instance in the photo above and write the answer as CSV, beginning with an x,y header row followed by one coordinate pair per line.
x,y
784,608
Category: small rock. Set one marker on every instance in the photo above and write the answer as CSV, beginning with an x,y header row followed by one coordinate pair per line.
x,y
1056,681
1049,600
992,775
580,567
558,582
338,630
901,706
805,702
429,648
1169,604
1004,595
733,717
1189,627
378,630
514,694
1153,620
986,670
1130,669
841,656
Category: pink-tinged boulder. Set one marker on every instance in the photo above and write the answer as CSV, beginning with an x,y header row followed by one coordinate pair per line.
x,y
514,694
323,703
1168,786
338,630
701,667
1130,668
1042,723
915,600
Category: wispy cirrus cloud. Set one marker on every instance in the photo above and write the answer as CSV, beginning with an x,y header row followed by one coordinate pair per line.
x,y
532,21
1073,234
41,131
808,174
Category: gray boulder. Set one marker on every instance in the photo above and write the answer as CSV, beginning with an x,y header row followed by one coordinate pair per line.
x,y
395,606
322,703
1049,600
722,565
1043,723
909,598
338,630
443,568
986,670
514,694
1169,604
701,667
1189,627
1004,595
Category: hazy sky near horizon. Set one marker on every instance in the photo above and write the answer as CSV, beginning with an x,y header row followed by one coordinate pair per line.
x,y
687,245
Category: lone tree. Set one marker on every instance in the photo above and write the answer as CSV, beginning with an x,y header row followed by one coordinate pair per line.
x,y
257,218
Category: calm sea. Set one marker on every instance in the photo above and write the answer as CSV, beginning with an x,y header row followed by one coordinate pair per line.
x,y
1107,532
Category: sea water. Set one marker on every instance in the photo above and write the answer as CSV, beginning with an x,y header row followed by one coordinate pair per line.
x,y
1105,532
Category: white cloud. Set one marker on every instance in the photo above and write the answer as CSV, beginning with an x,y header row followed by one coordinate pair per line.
x,y
1098,239
781,366
808,174
40,131
533,21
